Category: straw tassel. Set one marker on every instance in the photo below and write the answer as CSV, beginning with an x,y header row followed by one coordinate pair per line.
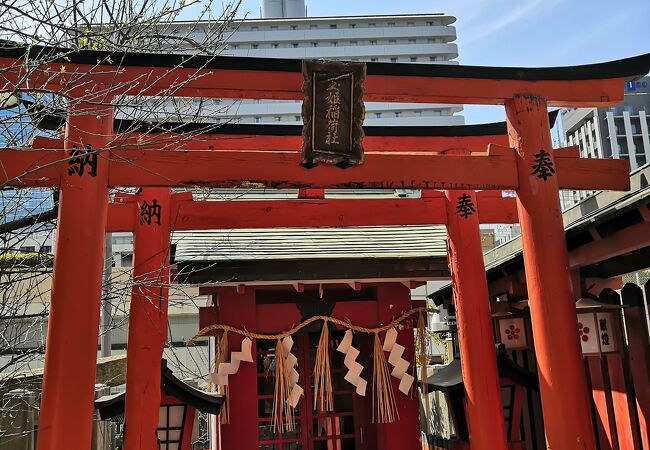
x,y
283,419
322,376
383,400
422,358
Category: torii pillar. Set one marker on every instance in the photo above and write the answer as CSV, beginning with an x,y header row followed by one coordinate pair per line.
x,y
563,386
475,335
66,410
148,318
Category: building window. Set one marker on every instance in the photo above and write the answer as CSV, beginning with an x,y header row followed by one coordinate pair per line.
x,y
276,45
235,46
411,41
393,59
353,25
433,58
216,101
332,26
126,260
255,28
353,42
294,27
258,120
373,42
398,114
294,45
46,249
392,41
27,249
391,24
414,58
437,112
313,27
373,59
314,44
254,46
418,113
372,25
410,24
278,118
377,115
274,28
431,23
333,43
298,118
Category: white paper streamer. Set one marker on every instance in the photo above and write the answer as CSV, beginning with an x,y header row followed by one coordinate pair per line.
x,y
226,369
291,362
400,365
354,368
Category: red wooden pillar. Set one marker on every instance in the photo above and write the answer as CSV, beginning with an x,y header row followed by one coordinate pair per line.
x,y
148,318
563,387
237,308
475,334
66,411
404,433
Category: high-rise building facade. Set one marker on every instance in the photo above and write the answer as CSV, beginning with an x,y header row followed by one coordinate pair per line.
x,y
284,31
620,131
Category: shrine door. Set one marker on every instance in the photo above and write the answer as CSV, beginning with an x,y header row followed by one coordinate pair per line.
x,y
348,427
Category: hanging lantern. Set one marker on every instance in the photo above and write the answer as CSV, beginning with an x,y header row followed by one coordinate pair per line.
x,y
599,327
511,328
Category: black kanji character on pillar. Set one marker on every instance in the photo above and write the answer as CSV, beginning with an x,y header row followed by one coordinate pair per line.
x,y
465,206
80,158
150,211
543,167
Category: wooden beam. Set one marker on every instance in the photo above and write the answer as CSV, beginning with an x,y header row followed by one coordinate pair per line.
x,y
628,240
495,169
287,85
307,213
492,170
206,215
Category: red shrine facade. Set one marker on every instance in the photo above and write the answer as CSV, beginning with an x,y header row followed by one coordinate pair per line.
x,y
268,309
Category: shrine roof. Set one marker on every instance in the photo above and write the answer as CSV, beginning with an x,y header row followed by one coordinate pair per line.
x,y
622,68
113,405
310,243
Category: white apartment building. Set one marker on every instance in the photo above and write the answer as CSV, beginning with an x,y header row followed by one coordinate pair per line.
x,y
285,32
620,131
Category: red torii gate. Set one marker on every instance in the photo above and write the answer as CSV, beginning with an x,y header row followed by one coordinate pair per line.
x,y
523,91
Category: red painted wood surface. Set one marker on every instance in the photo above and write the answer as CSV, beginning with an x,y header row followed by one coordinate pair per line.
x,y
228,83
605,422
633,238
241,433
475,333
147,168
393,300
517,410
147,320
639,355
561,373
66,409
626,425
371,144
198,215
278,170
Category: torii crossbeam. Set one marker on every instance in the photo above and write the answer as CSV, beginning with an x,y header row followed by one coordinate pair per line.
x,y
92,161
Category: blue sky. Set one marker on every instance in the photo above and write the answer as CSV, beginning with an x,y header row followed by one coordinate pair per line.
x,y
517,32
